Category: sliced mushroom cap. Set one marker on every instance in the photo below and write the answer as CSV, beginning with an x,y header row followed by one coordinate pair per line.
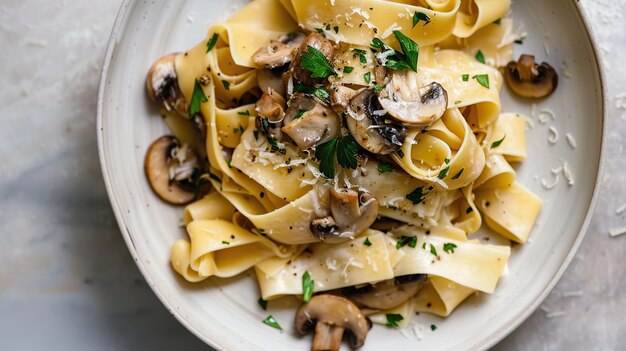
x,y
299,74
529,79
410,104
162,85
311,127
332,315
367,123
388,293
271,111
279,52
267,79
170,169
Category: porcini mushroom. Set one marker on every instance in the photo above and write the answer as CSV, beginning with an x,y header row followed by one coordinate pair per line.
x,y
529,79
279,52
407,102
309,123
170,169
299,74
162,85
388,293
332,315
351,214
367,123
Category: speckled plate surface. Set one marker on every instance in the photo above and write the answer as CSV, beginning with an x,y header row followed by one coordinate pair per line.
x,y
224,313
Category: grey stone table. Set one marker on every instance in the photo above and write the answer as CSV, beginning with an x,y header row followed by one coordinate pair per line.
x,y
67,281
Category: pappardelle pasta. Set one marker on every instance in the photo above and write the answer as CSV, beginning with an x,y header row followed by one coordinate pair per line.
x,y
345,150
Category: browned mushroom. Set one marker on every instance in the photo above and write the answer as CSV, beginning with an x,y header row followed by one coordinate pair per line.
x,y
341,96
302,76
309,123
332,315
529,79
171,169
271,111
388,293
367,123
412,105
279,52
351,214
162,85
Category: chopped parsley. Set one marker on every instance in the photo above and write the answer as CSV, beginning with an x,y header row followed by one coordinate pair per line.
x,y
224,242
449,247
300,114
446,160
482,79
211,43
443,173
433,327
348,69
307,286
315,62
469,210
262,303
433,250
361,54
244,113
367,77
458,174
367,242
235,130
406,240
498,21
417,195
480,57
465,77
325,154
420,16
457,102
409,48
317,92
276,146
518,41
399,60
384,167
272,322
336,29
497,143
347,149
197,98
377,44
261,230
393,319
226,84
378,87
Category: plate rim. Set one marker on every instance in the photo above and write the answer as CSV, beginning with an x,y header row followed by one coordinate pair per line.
x,y
117,33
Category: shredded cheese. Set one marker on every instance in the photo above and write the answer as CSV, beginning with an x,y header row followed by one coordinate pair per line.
x,y
567,173
617,231
621,209
573,293
570,140
553,135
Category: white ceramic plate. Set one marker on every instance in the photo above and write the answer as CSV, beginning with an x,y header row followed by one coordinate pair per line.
x,y
224,313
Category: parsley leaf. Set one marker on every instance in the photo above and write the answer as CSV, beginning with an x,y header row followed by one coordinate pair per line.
x,y
197,98
498,21
325,153
307,286
465,77
276,146
480,57
449,247
406,240
419,16
225,242
417,195
458,174
443,173
378,87
262,303
336,29
347,149
367,242
483,79
300,114
518,41
367,77
497,143
361,54
211,43
433,327
316,63
393,319
317,92
244,113
469,210
226,84
384,168
409,48
348,69
433,250
377,44
272,322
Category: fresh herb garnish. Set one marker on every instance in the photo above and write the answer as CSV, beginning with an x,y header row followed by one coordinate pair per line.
x,y
300,114
406,240
465,77
420,16
307,286
328,26
367,242
480,57
417,196
497,143
433,250
483,79
449,247
225,242
458,174
197,98
361,54
226,84
261,230
336,29
367,77
457,102
518,41
469,210
433,327
276,146
211,43
377,44
325,153
498,21
272,322
378,87
244,113
262,303
409,48
315,62
384,167
446,160
348,69
317,92
393,319
443,173
347,149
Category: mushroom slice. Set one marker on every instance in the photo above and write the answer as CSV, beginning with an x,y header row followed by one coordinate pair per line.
x,y
271,111
171,169
299,74
268,79
162,85
341,96
312,127
332,315
367,123
529,79
279,52
410,104
388,293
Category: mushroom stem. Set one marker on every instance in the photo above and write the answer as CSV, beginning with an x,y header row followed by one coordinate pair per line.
x,y
327,337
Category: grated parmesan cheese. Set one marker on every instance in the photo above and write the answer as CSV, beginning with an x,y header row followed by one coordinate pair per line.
x,y
545,114
555,314
566,71
620,101
553,135
573,293
549,186
617,231
567,173
570,140
621,209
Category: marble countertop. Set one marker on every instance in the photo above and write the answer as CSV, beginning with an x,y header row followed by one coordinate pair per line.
x,y
67,280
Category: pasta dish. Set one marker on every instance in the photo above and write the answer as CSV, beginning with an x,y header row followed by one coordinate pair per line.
x,y
346,151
